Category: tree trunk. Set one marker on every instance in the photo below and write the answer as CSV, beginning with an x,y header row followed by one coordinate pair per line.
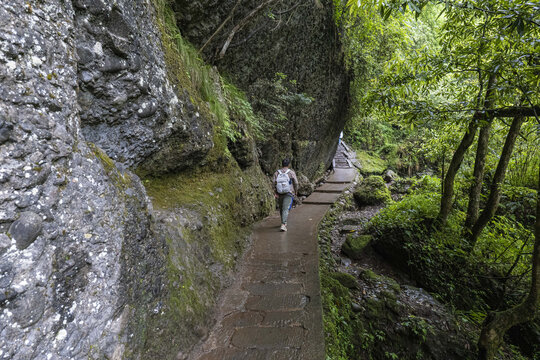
x,y
498,178
478,174
480,161
455,163
496,324
466,142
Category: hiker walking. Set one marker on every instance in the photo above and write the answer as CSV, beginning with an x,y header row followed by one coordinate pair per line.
x,y
285,187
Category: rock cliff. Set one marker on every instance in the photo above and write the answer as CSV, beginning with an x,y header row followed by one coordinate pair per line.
x,y
286,54
95,261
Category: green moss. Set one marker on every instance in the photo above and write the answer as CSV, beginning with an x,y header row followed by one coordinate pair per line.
x,y
354,245
222,199
368,275
383,307
371,165
214,205
345,279
190,295
121,180
187,300
337,316
372,191
195,189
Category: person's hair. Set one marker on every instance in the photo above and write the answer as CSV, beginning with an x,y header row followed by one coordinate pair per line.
x,y
285,162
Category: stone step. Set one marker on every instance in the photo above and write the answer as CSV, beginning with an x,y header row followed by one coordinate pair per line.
x,y
319,198
341,176
332,188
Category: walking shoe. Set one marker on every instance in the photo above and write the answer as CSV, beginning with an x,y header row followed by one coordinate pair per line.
x,y
283,227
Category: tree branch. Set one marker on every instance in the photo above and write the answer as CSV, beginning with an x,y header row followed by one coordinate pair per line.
x,y
241,24
221,26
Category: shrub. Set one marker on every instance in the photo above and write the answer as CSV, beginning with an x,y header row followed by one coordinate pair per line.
x,y
519,203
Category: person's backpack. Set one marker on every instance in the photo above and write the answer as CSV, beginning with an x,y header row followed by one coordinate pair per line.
x,y
283,183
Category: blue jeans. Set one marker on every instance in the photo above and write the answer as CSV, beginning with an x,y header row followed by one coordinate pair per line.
x,y
285,204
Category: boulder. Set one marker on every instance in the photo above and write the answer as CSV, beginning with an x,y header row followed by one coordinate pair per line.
x,y
389,176
305,187
346,280
355,245
372,191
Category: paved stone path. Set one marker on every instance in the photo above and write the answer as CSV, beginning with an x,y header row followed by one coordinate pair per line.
x,y
273,310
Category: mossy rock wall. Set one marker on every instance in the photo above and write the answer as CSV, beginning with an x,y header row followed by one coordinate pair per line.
x,y
203,217
100,95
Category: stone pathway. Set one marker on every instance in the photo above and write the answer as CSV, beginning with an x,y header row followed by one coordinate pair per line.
x,y
273,310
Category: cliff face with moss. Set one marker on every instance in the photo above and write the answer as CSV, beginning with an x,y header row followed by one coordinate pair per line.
x,y
287,56
130,170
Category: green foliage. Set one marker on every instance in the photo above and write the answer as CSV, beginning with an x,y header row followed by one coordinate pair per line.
x,y
497,272
523,167
506,248
370,44
435,75
409,212
372,191
418,326
426,185
435,259
519,204
273,102
240,111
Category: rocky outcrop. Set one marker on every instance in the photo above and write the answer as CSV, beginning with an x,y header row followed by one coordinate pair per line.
x,y
127,104
287,57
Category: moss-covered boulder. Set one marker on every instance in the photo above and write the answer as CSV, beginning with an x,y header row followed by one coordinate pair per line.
x,y
372,191
401,186
369,164
355,245
345,279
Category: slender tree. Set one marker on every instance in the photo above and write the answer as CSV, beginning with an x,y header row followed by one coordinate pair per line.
x,y
459,154
480,162
498,178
